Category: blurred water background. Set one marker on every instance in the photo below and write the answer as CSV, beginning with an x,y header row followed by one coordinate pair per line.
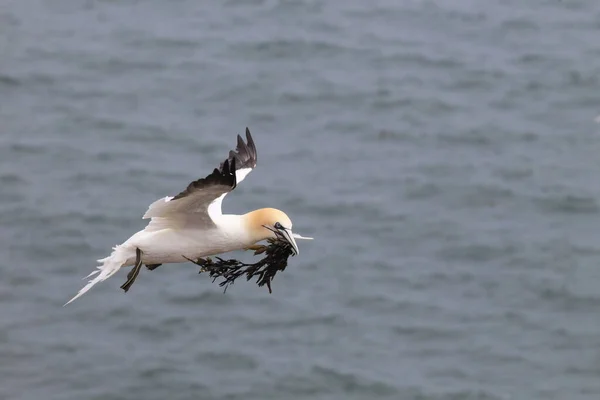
x,y
443,154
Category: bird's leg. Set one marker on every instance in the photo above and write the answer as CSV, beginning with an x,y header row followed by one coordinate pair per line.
x,y
152,267
133,274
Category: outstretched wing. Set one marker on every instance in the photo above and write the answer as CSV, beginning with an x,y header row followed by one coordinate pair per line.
x,y
202,198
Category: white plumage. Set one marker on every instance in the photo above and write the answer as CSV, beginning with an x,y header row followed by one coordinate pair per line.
x,y
192,225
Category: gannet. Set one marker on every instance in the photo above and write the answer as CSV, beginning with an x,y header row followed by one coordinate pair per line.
x,y
191,225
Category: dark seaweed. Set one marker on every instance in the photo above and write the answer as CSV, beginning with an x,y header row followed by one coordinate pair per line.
x,y
276,257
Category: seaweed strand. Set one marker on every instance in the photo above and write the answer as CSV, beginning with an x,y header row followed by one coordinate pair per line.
x,y
276,256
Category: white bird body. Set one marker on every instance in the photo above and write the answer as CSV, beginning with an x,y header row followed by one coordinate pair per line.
x,y
171,245
190,225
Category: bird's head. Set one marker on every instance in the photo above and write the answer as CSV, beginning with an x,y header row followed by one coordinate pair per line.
x,y
268,223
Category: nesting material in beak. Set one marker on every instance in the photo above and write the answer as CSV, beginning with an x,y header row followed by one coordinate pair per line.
x,y
288,236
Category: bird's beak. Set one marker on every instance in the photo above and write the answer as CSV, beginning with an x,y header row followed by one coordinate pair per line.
x,y
289,237
296,236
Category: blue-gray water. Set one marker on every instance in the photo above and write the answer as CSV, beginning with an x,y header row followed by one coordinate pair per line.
x,y
443,154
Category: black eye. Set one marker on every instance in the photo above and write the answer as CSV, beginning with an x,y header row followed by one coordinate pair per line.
x,y
278,226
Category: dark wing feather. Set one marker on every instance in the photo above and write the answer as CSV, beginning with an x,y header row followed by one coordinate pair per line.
x,y
245,156
200,193
224,177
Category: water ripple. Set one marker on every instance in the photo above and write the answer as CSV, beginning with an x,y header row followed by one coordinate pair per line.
x,y
444,156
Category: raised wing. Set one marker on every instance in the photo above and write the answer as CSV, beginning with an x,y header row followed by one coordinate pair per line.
x,y
202,198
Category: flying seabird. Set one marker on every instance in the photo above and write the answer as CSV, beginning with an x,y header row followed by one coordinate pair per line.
x,y
191,225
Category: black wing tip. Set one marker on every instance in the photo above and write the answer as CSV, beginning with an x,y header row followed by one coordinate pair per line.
x,y
249,139
251,145
225,175
245,152
228,167
240,143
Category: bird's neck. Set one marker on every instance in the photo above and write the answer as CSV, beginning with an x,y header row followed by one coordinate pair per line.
x,y
236,227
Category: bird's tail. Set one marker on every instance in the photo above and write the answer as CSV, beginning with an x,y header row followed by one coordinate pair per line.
x,y
109,266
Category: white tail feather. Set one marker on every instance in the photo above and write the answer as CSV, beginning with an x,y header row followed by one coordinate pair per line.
x,y
110,265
